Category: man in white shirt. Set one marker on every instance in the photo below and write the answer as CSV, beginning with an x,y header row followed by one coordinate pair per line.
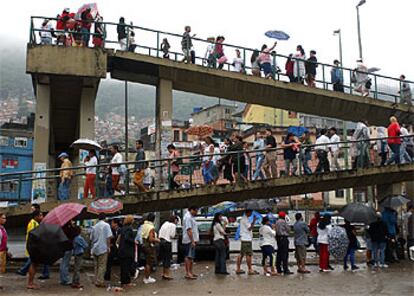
x,y
246,237
190,239
334,148
322,148
116,158
166,235
238,62
90,162
100,247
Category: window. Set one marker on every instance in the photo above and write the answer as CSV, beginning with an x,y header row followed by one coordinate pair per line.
x,y
227,111
8,186
185,137
360,196
176,136
4,141
20,142
228,125
339,193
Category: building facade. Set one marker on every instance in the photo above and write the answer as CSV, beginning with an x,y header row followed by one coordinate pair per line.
x,y
257,114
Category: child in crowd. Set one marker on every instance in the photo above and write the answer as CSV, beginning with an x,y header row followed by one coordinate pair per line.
x,y
79,246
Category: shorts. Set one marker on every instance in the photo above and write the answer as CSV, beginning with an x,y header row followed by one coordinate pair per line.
x,y
150,255
165,253
189,251
246,249
267,69
300,253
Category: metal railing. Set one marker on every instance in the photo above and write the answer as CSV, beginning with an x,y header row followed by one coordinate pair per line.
x,y
229,167
149,43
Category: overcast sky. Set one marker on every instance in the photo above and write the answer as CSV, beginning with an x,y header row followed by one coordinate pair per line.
x,y
386,25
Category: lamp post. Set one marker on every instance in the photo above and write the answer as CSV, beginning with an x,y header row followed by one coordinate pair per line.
x,y
338,33
362,2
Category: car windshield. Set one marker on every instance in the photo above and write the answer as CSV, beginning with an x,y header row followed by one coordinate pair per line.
x,y
204,227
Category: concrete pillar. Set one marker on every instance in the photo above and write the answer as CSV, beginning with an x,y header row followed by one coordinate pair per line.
x,y
386,190
42,125
87,112
409,190
163,124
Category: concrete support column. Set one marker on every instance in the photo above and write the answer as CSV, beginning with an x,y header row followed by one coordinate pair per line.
x,y
163,124
409,190
42,125
386,190
87,112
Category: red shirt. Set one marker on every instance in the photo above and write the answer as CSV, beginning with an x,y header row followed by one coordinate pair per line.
x,y
289,67
394,131
313,227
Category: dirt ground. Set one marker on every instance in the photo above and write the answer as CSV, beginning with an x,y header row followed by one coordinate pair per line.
x,y
398,279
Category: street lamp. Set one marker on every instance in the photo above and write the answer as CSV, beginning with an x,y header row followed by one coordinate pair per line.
x,y
362,2
338,32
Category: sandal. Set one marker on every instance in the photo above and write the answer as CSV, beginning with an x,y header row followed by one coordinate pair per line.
x,y
240,272
33,287
167,278
190,277
254,272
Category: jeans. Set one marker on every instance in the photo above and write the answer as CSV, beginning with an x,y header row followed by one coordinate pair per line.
x,y
63,190
351,254
267,252
26,266
379,247
363,156
220,256
294,163
323,164
404,156
85,36
395,157
259,162
305,162
64,268
76,269
46,40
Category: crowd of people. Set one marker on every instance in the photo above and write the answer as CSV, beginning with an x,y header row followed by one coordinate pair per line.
x,y
235,160
147,248
75,30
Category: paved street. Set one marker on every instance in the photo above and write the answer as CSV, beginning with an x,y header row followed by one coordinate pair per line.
x,y
396,280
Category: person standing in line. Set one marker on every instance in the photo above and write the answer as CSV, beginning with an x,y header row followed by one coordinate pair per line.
x,y
394,140
352,246
259,144
282,238
122,35
405,91
4,251
186,44
219,235
266,60
337,77
324,227
165,48
270,162
389,216
101,235
255,62
313,227
238,62
149,240
116,159
404,155
267,240
70,231
79,247
378,233
174,165
322,147
305,151
126,250
310,67
382,147
167,234
140,166
299,69
334,148
290,148
246,237
301,239
289,68
65,177
90,162
362,135
115,229
37,217
190,240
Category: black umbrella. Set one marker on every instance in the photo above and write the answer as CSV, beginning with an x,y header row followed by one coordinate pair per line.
x,y
47,243
256,204
394,201
358,213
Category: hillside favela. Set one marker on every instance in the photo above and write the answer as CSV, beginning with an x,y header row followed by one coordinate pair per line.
x,y
216,148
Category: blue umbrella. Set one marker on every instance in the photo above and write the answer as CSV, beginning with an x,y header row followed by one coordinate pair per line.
x,y
298,131
279,35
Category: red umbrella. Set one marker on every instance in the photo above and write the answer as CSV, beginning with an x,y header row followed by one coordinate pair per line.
x,y
92,6
63,214
105,205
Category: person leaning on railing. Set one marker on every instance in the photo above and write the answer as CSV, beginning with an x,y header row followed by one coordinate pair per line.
x,y
322,153
405,92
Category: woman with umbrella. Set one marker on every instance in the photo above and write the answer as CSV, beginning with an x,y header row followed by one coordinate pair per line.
x,y
265,60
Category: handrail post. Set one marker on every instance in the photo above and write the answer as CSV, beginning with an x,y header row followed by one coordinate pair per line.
x,y
238,166
376,87
350,82
31,31
170,181
244,59
158,44
96,182
323,78
401,92
19,189
250,167
300,162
